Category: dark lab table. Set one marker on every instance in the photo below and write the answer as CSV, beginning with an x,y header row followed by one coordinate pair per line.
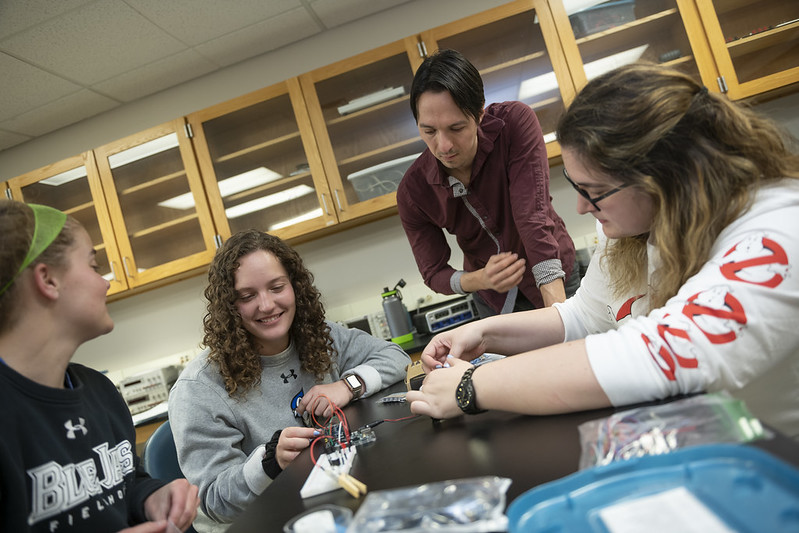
x,y
530,450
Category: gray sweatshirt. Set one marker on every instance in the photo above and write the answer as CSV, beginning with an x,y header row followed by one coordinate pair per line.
x,y
220,440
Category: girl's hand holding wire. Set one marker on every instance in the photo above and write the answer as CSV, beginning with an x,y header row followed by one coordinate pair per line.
x,y
317,401
292,441
436,398
465,342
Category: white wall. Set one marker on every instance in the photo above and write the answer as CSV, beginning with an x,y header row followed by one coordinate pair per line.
x,y
164,326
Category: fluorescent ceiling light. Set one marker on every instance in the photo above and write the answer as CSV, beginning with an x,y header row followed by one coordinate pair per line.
x,y
268,201
605,64
65,177
141,151
401,163
573,6
302,218
240,182
537,85
546,82
371,99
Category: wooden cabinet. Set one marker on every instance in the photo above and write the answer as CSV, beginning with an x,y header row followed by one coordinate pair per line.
x,y
516,49
364,127
606,35
742,47
755,43
73,186
157,204
260,165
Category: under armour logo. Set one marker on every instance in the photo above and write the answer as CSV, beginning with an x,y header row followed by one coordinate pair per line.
x,y
291,375
71,428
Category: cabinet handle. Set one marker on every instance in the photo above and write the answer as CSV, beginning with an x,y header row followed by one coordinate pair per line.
x,y
324,205
8,194
722,84
338,200
127,267
114,270
422,49
218,241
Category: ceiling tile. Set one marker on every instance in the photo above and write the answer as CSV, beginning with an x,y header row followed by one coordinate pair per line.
x,y
62,112
16,16
260,38
23,87
157,76
334,13
93,43
197,21
9,139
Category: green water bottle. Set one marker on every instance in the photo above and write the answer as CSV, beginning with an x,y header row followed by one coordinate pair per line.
x,y
396,315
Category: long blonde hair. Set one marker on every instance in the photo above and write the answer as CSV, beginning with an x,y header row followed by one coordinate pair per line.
x,y
698,155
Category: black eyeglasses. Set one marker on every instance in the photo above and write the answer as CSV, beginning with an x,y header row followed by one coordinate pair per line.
x,y
584,193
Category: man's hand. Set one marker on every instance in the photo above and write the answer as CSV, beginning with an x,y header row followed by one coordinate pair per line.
x,y
502,272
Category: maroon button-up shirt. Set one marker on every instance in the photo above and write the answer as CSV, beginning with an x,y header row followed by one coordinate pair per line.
x,y
511,208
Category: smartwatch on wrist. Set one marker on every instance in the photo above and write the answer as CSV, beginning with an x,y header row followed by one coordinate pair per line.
x,y
354,384
465,395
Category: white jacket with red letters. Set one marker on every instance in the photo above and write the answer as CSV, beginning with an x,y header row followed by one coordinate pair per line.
x,y
733,326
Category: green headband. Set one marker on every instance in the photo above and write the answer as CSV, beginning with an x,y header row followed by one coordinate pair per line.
x,y
48,223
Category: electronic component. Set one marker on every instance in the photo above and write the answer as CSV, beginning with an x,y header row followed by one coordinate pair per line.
x,y
359,437
486,358
450,315
397,397
148,389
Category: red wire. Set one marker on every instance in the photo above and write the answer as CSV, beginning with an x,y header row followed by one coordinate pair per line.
x,y
400,419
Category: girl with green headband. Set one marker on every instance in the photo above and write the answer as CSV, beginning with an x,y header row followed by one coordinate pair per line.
x,y
67,455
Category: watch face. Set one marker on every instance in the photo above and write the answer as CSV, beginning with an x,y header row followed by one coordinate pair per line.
x,y
353,382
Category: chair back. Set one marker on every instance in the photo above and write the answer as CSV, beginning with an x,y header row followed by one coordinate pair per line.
x,y
160,457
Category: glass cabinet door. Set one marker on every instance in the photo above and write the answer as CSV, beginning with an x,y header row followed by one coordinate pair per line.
x,y
618,32
157,203
755,42
364,127
260,165
73,186
513,47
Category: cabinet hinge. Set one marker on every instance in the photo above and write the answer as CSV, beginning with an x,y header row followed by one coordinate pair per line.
x,y
422,49
722,84
189,132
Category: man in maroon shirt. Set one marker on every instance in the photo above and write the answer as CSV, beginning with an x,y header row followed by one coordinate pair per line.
x,y
485,179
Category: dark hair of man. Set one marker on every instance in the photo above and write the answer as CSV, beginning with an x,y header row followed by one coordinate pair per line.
x,y
449,71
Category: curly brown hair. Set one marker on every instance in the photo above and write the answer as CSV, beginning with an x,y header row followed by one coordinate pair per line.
x,y
231,346
17,224
698,155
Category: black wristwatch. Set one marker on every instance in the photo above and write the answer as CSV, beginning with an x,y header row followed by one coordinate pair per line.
x,y
465,396
355,385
